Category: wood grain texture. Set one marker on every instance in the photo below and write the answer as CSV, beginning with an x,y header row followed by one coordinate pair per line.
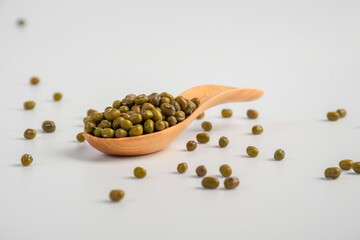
x,y
209,95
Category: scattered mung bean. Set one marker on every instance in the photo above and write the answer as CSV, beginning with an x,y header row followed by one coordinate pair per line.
x,y
116,195
231,182
252,114
80,137
332,172
226,113
28,105
207,126
223,142
20,22
182,167
346,164
201,171
342,112
26,159
57,96
30,133
333,116
191,145
139,172
210,182
225,170
34,80
252,151
257,129
48,126
279,154
203,137
356,167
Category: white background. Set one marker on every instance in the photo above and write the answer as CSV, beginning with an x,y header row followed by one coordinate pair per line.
x,y
303,54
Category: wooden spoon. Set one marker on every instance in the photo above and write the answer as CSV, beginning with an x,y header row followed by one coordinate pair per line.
x,y
209,95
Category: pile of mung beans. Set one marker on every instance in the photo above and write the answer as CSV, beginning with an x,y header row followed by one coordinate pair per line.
x,y
136,115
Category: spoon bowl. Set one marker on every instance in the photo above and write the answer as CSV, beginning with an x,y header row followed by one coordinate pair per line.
x,y
209,95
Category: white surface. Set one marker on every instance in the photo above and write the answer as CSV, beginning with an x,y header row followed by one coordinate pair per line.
x,y
303,54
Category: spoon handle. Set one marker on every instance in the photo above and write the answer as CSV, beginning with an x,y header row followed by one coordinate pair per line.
x,y
212,95
205,91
